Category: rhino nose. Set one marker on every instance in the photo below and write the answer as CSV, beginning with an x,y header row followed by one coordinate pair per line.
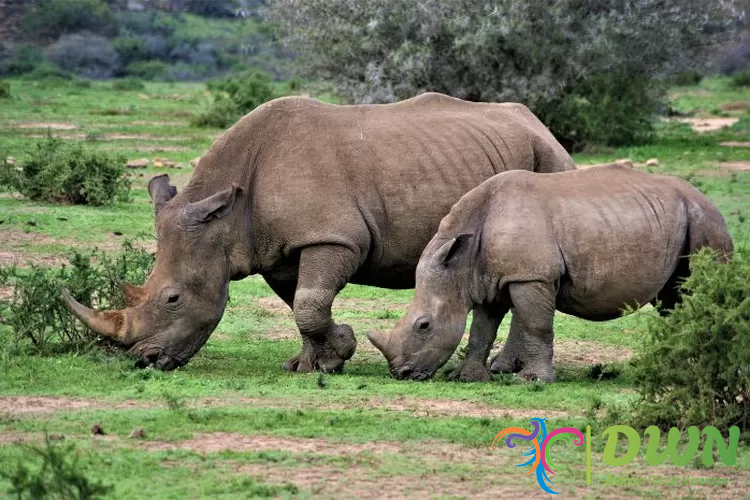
x,y
403,372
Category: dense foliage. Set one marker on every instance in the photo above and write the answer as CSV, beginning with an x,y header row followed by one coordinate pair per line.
x,y
36,313
60,172
4,89
573,62
234,97
694,369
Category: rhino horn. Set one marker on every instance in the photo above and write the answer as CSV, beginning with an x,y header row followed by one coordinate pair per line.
x,y
109,324
381,341
134,295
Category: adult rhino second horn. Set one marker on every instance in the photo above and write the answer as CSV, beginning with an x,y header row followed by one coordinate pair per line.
x,y
109,324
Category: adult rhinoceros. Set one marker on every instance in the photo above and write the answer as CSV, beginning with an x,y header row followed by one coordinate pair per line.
x,y
312,196
586,243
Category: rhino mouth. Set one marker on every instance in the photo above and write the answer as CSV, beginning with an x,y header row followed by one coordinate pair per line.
x,y
158,359
408,372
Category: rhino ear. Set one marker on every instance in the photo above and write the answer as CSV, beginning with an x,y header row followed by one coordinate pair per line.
x,y
452,250
161,191
215,206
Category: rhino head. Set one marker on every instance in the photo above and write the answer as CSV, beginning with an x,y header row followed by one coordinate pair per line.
x,y
170,318
426,337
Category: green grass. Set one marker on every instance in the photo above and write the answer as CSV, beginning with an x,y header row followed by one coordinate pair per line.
x,y
235,384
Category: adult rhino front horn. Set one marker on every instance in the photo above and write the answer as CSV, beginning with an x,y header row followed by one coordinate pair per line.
x,y
312,196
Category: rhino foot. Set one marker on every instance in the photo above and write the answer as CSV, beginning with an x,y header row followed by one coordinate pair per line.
x,y
506,364
543,373
328,355
471,372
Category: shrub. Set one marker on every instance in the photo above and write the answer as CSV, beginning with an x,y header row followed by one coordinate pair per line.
x,y
694,368
234,97
148,70
54,18
741,79
4,89
85,54
684,78
48,71
547,55
19,59
130,49
38,316
128,84
57,171
59,475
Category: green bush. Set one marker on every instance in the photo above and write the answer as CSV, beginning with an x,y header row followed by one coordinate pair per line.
x,y
148,70
4,89
694,368
57,171
59,475
20,59
684,78
36,313
53,18
602,109
130,49
50,72
128,84
234,97
741,79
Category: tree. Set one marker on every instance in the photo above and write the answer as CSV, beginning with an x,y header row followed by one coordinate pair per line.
x,y
591,69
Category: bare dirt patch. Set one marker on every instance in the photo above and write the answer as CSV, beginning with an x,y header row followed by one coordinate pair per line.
x,y
735,106
46,405
45,125
151,149
737,166
224,441
735,144
362,483
157,123
578,352
274,305
112,137
452,408
708,124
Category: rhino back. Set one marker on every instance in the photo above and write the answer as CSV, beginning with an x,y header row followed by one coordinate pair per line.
x,y
376,178
610,235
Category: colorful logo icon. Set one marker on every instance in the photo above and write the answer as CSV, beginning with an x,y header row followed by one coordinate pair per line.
x,y
539,454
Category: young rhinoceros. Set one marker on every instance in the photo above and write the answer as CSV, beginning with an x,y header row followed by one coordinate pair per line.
x,y
586,242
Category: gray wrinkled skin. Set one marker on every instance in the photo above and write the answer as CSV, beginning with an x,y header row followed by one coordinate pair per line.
x,y
312,196
587,243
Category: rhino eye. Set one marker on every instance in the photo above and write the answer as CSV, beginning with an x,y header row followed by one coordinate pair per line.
x,y
422,324
173,297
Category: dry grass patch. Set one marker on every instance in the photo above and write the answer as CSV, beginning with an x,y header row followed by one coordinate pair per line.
x,y
737,166
46,125
47,405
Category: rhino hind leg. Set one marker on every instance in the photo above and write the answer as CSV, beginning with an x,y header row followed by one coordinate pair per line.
x,y
323,272
534,304
669,296
483,331
508,360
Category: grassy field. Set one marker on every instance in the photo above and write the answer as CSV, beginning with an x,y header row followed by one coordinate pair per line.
x,y
232,424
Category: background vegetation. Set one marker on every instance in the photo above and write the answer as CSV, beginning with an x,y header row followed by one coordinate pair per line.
x,y
231,423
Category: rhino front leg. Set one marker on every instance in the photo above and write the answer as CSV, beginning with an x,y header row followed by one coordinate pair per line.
x,y
534,304
483,331
508,360
323,272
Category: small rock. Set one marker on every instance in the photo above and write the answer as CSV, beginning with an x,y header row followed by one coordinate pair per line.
x,y
652,162
163,162
177,166
194,162
117,233
137,433
140,175
97,430
625,162
31,223
10,160
142,163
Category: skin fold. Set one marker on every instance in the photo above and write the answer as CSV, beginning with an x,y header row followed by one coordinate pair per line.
x,y
313,196
587,243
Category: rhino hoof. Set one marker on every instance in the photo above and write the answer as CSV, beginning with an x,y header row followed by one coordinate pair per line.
x,y
471,372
